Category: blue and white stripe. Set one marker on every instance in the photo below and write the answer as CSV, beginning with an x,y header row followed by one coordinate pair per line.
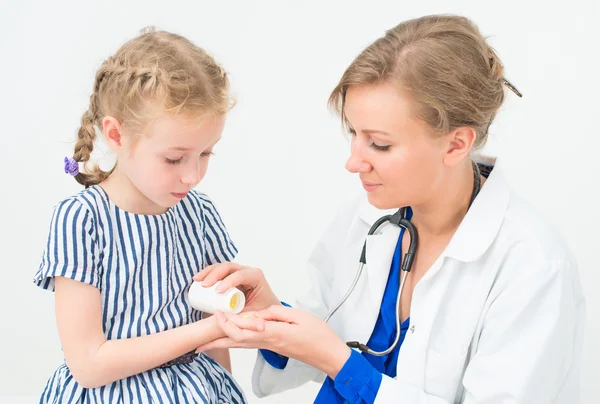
x,y
143,266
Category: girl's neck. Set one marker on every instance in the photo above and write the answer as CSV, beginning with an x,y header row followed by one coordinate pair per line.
x,y
124,194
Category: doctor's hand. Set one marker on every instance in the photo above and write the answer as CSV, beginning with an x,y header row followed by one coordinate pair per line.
x,y
251,281
290,332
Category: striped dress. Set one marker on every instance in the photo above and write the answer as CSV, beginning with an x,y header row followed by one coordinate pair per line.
x,y
143,266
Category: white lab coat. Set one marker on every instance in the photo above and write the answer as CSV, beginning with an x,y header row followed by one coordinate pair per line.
x,y
498,318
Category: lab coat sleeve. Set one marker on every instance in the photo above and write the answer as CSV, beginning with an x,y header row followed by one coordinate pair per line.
x,y
530,341
267,380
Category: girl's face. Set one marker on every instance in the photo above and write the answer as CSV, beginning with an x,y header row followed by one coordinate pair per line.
x,y
170,157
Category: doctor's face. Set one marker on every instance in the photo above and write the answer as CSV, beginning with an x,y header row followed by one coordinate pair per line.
x,y
395,154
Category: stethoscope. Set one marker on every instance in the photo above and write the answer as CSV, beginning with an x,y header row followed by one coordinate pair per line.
x,y
399,219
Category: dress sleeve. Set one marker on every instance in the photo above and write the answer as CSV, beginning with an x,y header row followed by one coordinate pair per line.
x,y
219,246
71,250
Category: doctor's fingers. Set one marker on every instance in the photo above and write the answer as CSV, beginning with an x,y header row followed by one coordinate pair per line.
x,y
247,278
245,321
281,313
216,272
224,343
273,336
235,337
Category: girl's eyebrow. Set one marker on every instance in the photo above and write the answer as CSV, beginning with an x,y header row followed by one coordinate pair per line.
x,y
180,148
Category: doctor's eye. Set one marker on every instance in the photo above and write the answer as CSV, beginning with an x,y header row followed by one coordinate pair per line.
x,y
380,148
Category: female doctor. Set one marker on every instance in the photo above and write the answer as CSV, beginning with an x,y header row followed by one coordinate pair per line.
x,y
491,310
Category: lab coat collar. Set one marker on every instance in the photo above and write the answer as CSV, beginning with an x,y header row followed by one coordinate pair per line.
x,y
481,224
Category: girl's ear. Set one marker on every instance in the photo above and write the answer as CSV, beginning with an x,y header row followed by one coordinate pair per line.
x,y
112,131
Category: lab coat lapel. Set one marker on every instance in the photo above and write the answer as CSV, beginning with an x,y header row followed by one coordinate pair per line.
x,y
380,251
364,304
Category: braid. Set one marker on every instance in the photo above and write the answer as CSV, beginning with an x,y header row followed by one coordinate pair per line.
x,y
86,137
142,82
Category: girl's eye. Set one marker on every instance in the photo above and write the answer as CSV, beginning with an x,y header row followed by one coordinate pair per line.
x,y
206,154
170,161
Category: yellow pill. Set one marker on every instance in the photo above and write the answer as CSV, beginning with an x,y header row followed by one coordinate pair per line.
x,y
233,301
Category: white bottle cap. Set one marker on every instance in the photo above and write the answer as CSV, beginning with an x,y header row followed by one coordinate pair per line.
x,y
207,300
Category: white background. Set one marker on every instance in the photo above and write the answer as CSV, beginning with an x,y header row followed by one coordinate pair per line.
x,y
278,173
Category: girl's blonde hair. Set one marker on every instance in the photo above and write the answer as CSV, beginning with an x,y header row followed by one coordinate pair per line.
x,y
443,63
157,72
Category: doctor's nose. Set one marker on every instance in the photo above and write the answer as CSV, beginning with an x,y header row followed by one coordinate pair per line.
x,y
356,164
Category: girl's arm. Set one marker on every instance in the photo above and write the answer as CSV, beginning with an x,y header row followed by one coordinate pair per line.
x,y
220,355
95,361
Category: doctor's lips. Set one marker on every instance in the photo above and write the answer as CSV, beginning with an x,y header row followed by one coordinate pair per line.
x,y
370,186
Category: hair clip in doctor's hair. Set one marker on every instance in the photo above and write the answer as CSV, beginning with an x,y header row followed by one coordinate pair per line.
x,y
71,166
512,87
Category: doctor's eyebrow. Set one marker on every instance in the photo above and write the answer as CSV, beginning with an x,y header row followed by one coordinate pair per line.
x,y
374,132
350,128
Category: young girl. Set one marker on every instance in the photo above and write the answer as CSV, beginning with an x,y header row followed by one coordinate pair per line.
x,y
121,254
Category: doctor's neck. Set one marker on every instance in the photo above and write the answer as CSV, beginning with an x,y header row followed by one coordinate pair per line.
x,y
441,214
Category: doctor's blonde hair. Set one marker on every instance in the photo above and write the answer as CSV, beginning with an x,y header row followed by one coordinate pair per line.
x,y
155,73
443,63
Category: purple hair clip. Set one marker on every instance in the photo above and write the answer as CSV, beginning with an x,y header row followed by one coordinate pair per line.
x,y
71,166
